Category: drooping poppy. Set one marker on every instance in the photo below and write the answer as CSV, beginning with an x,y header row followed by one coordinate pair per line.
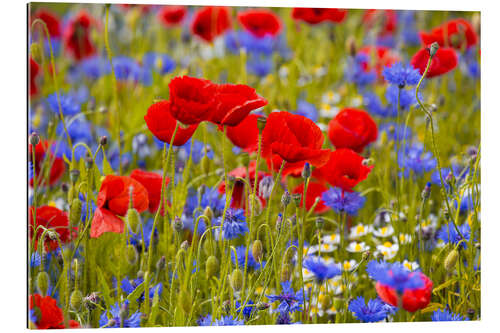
x,y
388,19
162,124
152,183
353,129
211,22
260,22
344,169
191,99
51,20
34,71
444,60
77,36
314,191
233,102
245,135
46,164
172,15
412,300
51,218
454,33
113,201
294,138
318,15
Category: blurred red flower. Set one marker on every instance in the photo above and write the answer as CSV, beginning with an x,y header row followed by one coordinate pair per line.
x,y
172,15
353,129
314,190
233,102
51,218
318,15
162,124
152,183
384,57
54,164
260,22
245,135
294,138
77,36
210,22
51,20
444,60
113,201
191,99
34,71
47,313
387,19
413,300
344,169
453,33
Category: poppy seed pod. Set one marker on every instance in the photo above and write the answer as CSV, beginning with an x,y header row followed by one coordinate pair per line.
x,y
42,282
132,255
205,164
451,260
185,301
76,300
75,212
261,123
433,49
286,272
211,266
133,219
236,280
257,250
34,139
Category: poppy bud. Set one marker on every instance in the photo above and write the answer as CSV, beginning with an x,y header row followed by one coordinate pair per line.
x,y
262,306
433,49
185,245
211,266
451,260
73,175
34,139
261,123
205,164
257,250
296,199
367,162
286,198
426,193
226,306
103,140
185,301
89,162
131,254
366,255
75,212
42,282
133,219
325,301
306,172
286,272
178,224
236,280
65,187
320,223
209,213
36,52
76,300
265,187
160,264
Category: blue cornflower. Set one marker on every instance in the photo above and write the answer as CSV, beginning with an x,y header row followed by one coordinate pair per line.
x,y
36,259
195,205
136,238
449,234
374,105
396,132
199,149
234,224
224,321
32,316
260,66
128,286
406,99
240,252
79,130
410,33
415,159
161,63
95,67
30,170
247,311
371,312
140,146
290,300
321,269
127,69
349,202
356,72
466,202
446,315
253,45
401,75
386,40
307,110
394,275
133,320
69,104
285,319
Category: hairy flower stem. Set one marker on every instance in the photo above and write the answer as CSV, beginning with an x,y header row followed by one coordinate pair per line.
x,y
301,236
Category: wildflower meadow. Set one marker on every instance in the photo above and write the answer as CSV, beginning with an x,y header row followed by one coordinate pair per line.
x,y
210,166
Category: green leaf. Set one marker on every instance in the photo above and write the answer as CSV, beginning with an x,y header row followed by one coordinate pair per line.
x,y
106,167
133,296
154,309
444,285
432,307
104,286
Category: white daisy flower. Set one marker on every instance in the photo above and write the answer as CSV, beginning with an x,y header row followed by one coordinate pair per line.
x,y
356,247
388,250
403,239
384,231
411,265
349,265
359,230
333,239
328,111
330,97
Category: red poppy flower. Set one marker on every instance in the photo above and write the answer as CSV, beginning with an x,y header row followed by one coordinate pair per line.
x,y
47,313
260,22
210,22
33,73
51,20
143,8
172,15
152,183
353,129
294,138
443,61
388,19
314,190
233,102
384,57
162,124
191,99
238,195
51,218
452,33
55,164
318,15
344,169
290,169
77,36
245,135
413,300
113,201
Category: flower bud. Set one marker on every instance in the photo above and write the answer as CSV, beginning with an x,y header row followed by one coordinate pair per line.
x,y
133,219
208,212
160,264
320,223
185,245
366,255
178,224
91,300
76,300
296,197
426,192
103,140
34,139
36,52
123,313
226,306
261,123
350,45
286,272
306,172
132,255
451,260
236,280
185,301
266,187
285,199
257,205
257,250
211,266
205,164
73,175
433,49
89,162
75,212
43,282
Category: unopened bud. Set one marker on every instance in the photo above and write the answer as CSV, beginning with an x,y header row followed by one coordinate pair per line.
x,y
433,49
73,175
257,250
306,172
261,123
451,260
133,219
89,162
367,161
326,301
426,192
285,199
185,245
211,266
208,212
320,223
76,300
286,272
42,282
103,140
266,187
366,255
185,301
178,224
36,52
132,255
205,164
34,139
236,280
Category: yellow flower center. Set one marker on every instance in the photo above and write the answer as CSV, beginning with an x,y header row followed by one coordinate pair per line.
x,y
357,247
388,244
360,229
